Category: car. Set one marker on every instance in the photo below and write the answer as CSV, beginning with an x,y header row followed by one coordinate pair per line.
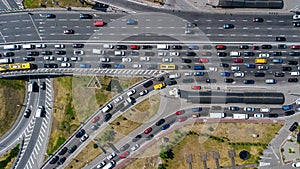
x,y
296,24
120,47
149,137
147,47
69,31
296,17
255,47
60,52
126,59
233,108
220,47
95,119
263,67
293,53
193,47
104,59
80,133
228,80
248,81
249,109
228,26
180,112
199,73
111,156
225,74
78,52
258,19
285,68
287,107
148,84
85,16
28,59
167,59
243,47
27,113
273,115
249,53
101,165
206,53
174,54
280,39
105,65
196,87
54,160
295,47
263,55
63,151
190,54
131,92
136,66
222,54
224,65
203,60
49,15
143,58
62,59
148,130
279,74
124,147
107,116
250,66
239,74
50,65
281,46
190,25
213,69
176,47
133,53
277,61
135,47
237,60
172,82
135,147
211,81
48,58
196,109
296,164
72,149
160,122
46,53
277,53
259,74
266,46
292,62
8,54
258,115
144,92
136,138
124,155
77,45
292,80
65,65
165,127
32,53
189,31
289,113
118,99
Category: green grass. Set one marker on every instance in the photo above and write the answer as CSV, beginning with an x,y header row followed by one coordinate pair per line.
x,y
66,82
31,4
58,143
14,84
12,154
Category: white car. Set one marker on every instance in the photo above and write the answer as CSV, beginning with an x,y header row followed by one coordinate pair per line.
x,y
188,74
296,164
137,66
105,60
239,74
296,17
65,64
213,69
84,137
118,99
101,165
130,93
143,58
258,115
144,92
167,60
263,55
48,58
78,52
75,58
162,53
41,45
174,54
189,31
235,68
111,156
126,59
249,109
263,67
135,147
62,59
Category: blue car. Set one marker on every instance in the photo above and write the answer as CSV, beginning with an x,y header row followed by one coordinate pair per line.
x,y
198,73
119,66
251,66
49,15
192,47
287,107
199,67
165,127
277,60
225,73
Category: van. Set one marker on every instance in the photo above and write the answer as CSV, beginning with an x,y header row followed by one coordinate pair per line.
x,y
107,108
59,46
271,81
39,111
235,54
108,46
162,47
119,53
265,110
295,73
174,76
235,68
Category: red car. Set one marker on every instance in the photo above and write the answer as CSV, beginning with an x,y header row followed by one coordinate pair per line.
x,y
135,47
196,87
220,47
203,60
255,47
258,19
148,130
95,119
182,119
69,31
180,112
124,155
295,47
238,60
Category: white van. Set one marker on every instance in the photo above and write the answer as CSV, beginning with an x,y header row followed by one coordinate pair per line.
x,y
59,46
162,47
108,46
271,81
119,53
295,73
107,108
174,76
235,54
265,110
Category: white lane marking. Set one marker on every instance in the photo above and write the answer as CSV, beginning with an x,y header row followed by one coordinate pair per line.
x,y
294,35
220,20
270,35
232,34
208,34
269,28
17,28
268,21
25,20
281,21
52,34
3,22
3,37
257,28
220,34
208,27
257,35
62,19
35,27
29,34
15,21
245,28
245,20
112,27
232,20
208,20
28,27
245,35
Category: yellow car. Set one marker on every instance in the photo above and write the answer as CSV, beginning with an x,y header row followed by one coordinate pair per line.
x,y
159,86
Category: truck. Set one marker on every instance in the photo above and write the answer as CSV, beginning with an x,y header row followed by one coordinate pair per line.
x,y
28,46
30,86
11,47
4,61
240,116
217,115
162,47
98,51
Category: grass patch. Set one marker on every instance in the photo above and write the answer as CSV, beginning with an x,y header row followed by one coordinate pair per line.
x,y
56,145
7,160
48,3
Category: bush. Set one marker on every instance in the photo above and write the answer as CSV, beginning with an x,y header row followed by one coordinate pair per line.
x,y
95,146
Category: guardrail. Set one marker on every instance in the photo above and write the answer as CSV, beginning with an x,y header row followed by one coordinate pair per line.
x,y
16,162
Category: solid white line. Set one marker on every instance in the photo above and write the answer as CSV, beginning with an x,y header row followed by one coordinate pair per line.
x,y
35,27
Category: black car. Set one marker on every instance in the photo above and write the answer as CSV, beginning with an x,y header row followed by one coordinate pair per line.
x,y
85,16
277,54
222,54
61,161
188,80
243,47
80,133
184,66
211,81
149,54
27,59
176,47
148,84
107,117
172,82
27,113
266,46
160,78
289,113
248,81
233,108
273,115
293,53
32,53
186,61
50,65
8,54
207,47
249,53
190,54
280,39
284,68
296,24
120,47
147,47
259,74
292,62
46,53
63,151
149,137
72,149
293,80
228,80
78,45
224,65
279,74
136,138
54,160
294,126
160,122
124,147
60,52
281,46
105,65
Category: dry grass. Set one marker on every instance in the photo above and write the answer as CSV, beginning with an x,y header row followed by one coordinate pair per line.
x,y
48,3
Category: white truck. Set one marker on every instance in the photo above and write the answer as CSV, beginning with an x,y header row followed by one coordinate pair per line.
x,y
240,116
216,115
98,51
11,47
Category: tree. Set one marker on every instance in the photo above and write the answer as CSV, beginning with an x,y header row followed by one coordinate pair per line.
x,y
161,166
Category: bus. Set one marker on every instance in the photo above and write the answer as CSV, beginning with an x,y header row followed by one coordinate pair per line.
x,y
167,67
19,66
261,61
99,23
